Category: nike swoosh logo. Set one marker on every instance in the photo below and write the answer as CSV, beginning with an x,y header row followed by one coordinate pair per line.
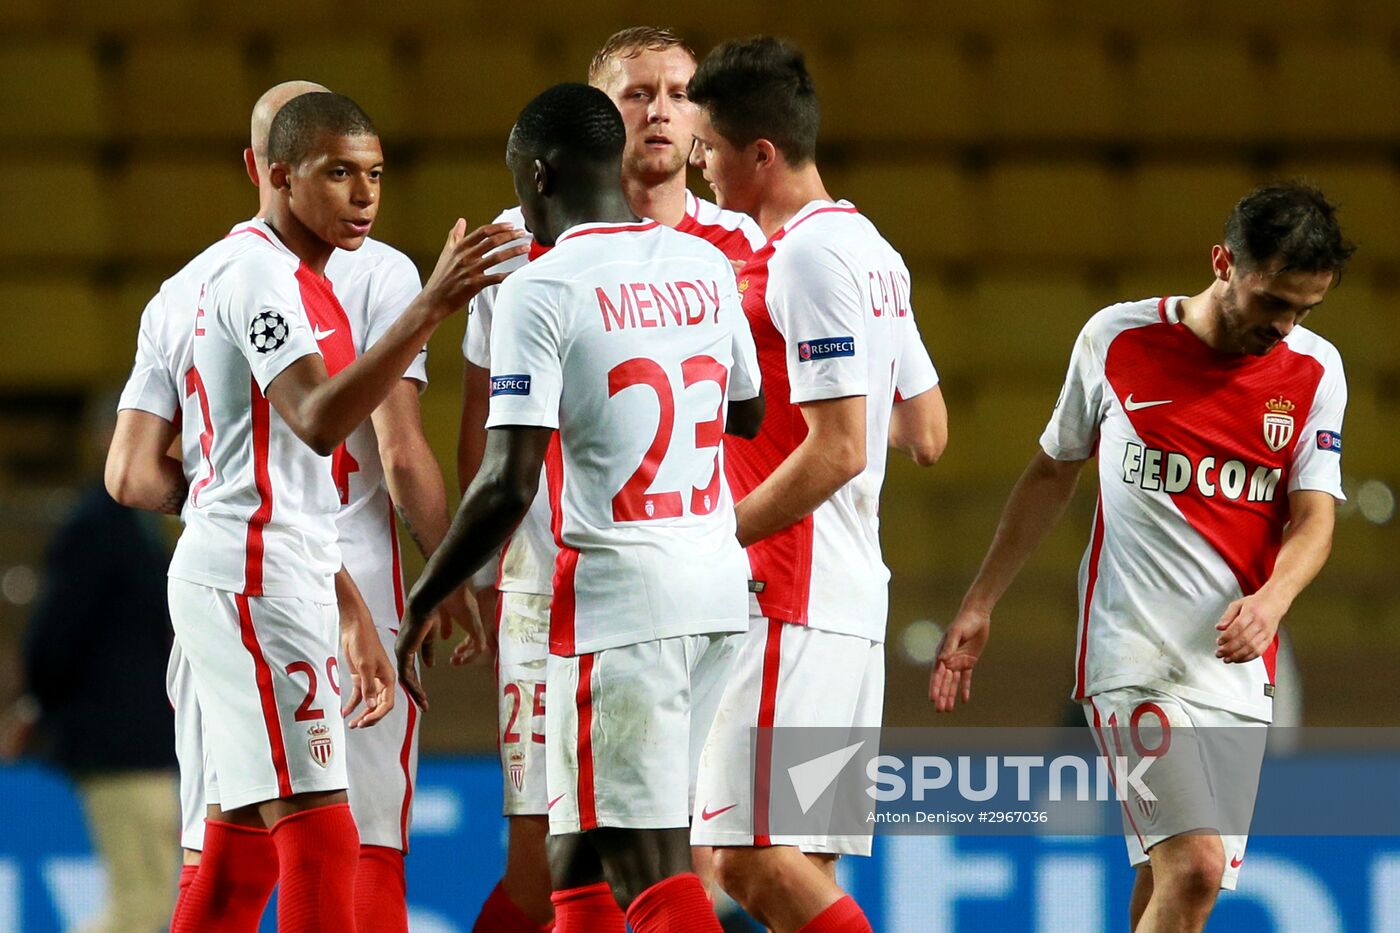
x,y
322,334
555,800
1236,862
1138,406
707,814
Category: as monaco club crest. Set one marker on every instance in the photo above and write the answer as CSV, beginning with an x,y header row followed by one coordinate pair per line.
x,y
1278,423
516,769
320,744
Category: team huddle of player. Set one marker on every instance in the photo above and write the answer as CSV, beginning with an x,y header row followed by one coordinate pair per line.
x,y
675,422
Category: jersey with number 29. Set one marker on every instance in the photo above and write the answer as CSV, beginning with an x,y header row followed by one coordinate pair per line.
x,y
630,340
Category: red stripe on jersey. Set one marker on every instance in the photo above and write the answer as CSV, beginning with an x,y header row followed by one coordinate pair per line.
x,y
733,243
1111,771
395,562
561,605
1095,550
620,228
782,562
330,325
194,383
1219,412
406,762
253,548
253,230
763,753
1162,309
583,702
266,694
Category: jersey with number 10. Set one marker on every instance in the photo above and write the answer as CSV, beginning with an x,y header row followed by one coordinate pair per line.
x,y
630,339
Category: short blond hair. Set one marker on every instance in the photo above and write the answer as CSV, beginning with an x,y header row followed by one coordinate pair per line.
x,y
631,42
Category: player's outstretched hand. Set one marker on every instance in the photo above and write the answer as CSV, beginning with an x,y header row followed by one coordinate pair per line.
x,y
1247,628
958,652
461,268
413,632
371,675
478,639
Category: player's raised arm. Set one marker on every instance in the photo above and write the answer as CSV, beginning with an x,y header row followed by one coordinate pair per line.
x,y
321,410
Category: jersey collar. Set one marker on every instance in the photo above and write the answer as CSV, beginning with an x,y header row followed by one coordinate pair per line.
x,y
811,209
585,229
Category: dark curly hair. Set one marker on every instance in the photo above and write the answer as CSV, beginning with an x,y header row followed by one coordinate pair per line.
x,y
759,88
1292,221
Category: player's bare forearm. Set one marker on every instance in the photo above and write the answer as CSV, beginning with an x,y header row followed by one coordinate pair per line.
x,y
830,456
919,426
471,439
493,506
1307,542
139,472
410,470
1034,507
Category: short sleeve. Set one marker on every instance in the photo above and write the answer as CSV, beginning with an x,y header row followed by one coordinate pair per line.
x,y
744,379
261,313
1317,456
394,285
818,306
527,367
916,373
1073,431
152,386
476,343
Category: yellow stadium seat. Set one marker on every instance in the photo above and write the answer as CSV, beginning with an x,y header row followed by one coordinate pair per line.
x,y
937,312
170,210
145,18
1143,18
25,15
1148,279
477,88
1177,209
897,89
1026,323
1055,210
1055,89
992,17
442,190
59,211
1367,195
1189,89
1296,17
1358,318
925,209
183,89
1336,91
54,92
364,69
38,352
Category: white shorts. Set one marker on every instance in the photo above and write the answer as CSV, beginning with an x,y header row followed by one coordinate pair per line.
x,y
382,764
1189,770
626,727
264,673
189,749
786,675
522,628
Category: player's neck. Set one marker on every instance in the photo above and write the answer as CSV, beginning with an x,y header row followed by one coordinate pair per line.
x,y
1200,314
305,245
794,190
603,208
664,202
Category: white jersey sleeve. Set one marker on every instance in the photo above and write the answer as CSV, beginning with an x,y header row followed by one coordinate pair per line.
x,y
527,372
151,386
476,343
264,319
818,306
1073,431
1317,457
916,373
392,290
745,382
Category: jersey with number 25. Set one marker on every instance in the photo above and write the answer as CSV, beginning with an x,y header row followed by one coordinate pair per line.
x,y
630,339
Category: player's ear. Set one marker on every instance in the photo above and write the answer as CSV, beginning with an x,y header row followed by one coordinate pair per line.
x,y
544,177
250,165
1222,262
765,154
279,174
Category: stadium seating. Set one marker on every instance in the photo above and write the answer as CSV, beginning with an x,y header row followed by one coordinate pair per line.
x,y
1186,91
1164,225
475,92
54,92
1367,193
927,210
1044,210
37,309
177,89
1066,90
58,209
166,210
365,68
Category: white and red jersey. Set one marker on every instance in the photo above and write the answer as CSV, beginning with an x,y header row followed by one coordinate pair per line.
x,y
828,301
1198,451
630,340
373,285
527,561
261,514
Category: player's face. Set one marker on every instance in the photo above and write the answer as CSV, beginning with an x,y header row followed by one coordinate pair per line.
x,y
650,91
1259,307
335,192
729,170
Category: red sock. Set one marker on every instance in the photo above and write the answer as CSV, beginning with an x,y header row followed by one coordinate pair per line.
x,y
500,914
845,916
317,850
187,873
233,881
381,891
677,905
589,909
